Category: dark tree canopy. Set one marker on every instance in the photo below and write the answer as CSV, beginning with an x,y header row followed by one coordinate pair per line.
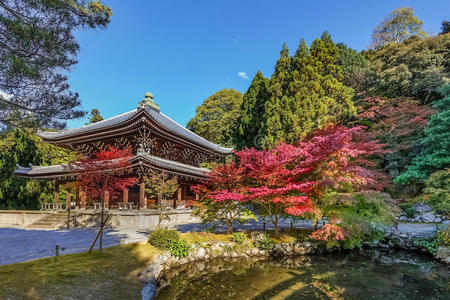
x,y
95,116
24,148
216,117
37,49
355,67
445,28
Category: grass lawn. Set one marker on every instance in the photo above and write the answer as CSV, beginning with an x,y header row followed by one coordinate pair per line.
x,y
112,275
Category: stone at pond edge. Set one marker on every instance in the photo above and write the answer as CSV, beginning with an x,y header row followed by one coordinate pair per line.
x,y
148,292
443,254
428,218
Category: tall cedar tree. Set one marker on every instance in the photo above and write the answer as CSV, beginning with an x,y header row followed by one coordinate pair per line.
x,y
108,171
250,123
277,108
306,92
435,153
37,50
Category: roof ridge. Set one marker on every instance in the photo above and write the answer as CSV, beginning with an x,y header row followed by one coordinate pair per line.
x,y
218,145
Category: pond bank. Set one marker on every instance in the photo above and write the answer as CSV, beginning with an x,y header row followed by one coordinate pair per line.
x,y
167,266
367,274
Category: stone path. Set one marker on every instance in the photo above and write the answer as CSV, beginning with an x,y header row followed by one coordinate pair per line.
x,y
417,229
17,245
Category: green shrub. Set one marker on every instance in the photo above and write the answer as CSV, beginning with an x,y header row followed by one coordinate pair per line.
x,y
443,238
179,248
409,210
162,238
427,243
238,237
265,243
438,190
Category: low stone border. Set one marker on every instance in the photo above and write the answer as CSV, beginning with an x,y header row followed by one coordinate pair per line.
x,y
164,262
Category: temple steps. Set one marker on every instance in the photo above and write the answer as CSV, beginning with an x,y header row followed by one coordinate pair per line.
x,y
51,221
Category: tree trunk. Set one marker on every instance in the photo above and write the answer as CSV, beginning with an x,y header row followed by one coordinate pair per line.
x,y
230,226
316,223
101,227
275,225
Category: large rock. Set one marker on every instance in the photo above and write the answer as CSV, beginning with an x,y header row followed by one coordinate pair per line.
x,y
149,292
200,253
422,207
428,218
443,254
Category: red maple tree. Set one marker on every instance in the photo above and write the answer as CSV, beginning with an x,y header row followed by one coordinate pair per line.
x,y
294,179
105,172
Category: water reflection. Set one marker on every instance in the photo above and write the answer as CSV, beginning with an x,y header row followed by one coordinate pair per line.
x,y
368,275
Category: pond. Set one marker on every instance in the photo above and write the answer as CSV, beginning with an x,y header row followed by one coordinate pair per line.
x,y
366,275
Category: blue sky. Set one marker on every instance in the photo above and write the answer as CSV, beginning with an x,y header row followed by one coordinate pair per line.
x,y
184,51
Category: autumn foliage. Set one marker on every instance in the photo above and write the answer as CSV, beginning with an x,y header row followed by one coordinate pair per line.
x,y
107,171
295,179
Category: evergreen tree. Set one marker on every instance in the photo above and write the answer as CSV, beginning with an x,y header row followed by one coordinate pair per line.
x,y
23,148
355,67
95,116
306,92
435,153
249,125
277,109
334,95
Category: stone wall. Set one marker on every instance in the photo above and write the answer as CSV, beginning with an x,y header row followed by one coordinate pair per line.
x,y
90,219
19,218
137,219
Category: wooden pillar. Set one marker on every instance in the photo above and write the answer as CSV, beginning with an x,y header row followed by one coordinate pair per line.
x,y
83,200
179,196
107,199
142,203
125,195
77,197
56,200
68,200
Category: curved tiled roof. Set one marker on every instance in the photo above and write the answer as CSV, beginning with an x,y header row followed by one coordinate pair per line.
x,y
157,116
174,165
169,165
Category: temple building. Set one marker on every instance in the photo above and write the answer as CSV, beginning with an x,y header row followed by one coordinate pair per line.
x,y
158,143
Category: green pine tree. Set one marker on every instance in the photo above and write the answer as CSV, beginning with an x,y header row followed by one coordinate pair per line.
x,y
249,125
